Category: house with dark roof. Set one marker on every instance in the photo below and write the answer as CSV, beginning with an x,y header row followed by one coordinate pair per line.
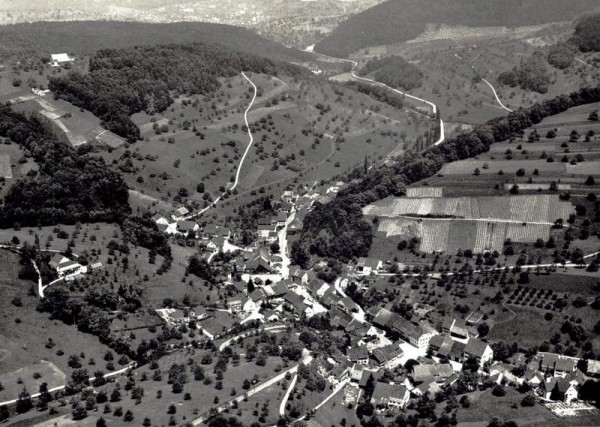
x,y
359,355
480,350
437,372
559,389
180,213
388,357
564,366
388,395
187,228
456,328
348,306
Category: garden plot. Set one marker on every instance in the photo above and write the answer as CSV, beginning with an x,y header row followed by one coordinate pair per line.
x,y
5,169
527,233
424,192
401,227
435,236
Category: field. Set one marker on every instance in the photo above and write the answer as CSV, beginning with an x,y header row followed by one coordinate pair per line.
x,y
485,406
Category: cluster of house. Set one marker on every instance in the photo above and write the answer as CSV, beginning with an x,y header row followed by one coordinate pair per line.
x,y
212,324
68,269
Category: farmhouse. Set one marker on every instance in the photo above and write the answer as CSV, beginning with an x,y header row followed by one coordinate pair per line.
x,y
559,389
480,350
187,227
180,213
359,355
388,357
438,372
386,395
161,220
65,267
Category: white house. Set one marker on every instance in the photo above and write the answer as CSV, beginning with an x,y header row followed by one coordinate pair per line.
x,y
367,266
65,267
180,213
480,350
58,59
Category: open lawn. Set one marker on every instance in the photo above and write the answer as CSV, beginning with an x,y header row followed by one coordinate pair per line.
x,y
485,406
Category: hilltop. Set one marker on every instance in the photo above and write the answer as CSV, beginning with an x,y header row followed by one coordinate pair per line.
x,y
86,37
396,21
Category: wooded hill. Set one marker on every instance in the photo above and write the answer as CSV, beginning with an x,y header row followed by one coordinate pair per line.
x,y
122,82
71,186
40,39
396,21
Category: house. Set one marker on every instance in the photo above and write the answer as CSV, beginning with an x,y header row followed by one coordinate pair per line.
x,y
277,290
299,276
96,266
180,213
259,265
417,335
456,328
437,372
295,226
187,227
388,357
348,306
264,231
534,378
593,368
548,361
559,389
441,345
362,383
257,296
280,219
289,196
234,304
249,305
474,318
366,266
429,386
340,372
295,302
58,59
564,366
386,395
65,267
480,350
359,355
160,220
212,231
502,373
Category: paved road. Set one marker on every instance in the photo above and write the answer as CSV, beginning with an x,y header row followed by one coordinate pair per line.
x,y
287,395
250,143
62,387
251,333
407,95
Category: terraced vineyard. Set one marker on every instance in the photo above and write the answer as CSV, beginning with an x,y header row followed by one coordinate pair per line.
x,y
424,191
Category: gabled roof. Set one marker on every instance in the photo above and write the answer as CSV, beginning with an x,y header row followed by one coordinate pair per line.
x,y
357,353
186,225
383,392
565,365
387,353
257,295
476,347
366,374
437,372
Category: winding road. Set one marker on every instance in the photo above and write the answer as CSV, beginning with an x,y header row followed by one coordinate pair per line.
x,y
239,168
434,108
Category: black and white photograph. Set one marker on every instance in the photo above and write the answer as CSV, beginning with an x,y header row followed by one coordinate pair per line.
x,y
299,213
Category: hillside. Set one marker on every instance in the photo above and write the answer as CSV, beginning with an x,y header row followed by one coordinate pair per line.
x,y
122,82
43,38
284,21
401,20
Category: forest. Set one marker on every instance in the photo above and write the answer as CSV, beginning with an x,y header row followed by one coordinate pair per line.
x,y
587,34
70,187
396,21
393,71
338,229
122,82
38,39
532,74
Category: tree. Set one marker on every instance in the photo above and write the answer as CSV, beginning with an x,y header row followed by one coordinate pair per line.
x,y
79,412
483,329
590,180
128,416
528,400
498,391
593,116
24,402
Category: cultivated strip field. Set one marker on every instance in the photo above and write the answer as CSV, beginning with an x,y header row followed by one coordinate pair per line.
x,y
451,235
538,208
425,191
